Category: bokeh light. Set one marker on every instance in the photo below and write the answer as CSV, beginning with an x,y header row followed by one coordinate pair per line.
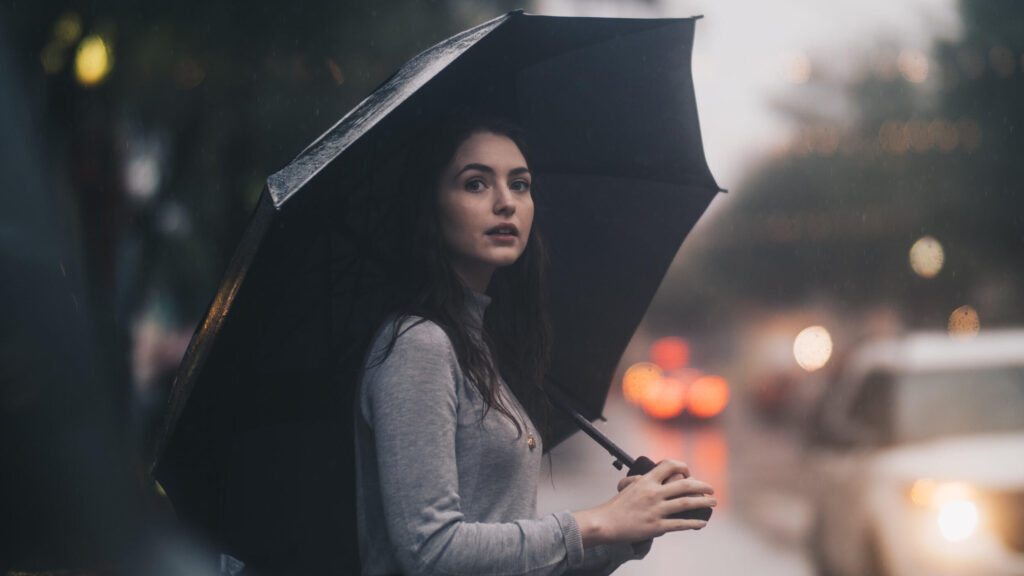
x,y
671,353
920,136
894,137
67,29
969,132
964,322
812,348
972,62
92,61
797,67
913,65
958,520
664,398
708,396
1002,61
944,135
926,257
637,379
188,73
922,492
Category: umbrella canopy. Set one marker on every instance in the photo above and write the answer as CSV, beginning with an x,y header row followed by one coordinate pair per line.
x,y
258,436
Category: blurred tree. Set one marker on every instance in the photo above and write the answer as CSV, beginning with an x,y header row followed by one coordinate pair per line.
x,y
930,151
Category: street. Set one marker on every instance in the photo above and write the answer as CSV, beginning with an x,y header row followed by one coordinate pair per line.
x,y
761,518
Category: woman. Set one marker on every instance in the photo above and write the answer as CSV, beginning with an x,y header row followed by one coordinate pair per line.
x,y
448,457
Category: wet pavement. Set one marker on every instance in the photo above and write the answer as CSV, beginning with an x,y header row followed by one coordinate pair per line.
x,y
760,522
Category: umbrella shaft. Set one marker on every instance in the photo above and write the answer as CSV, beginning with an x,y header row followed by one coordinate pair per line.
x,y
585,425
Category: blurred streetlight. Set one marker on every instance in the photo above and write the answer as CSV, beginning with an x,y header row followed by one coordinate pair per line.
x,y
913,65
93,60
926,257
812,348
964,322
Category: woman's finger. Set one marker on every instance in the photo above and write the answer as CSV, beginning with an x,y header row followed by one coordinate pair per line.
x,y
675,477
627,481
686,486
676,525
668,468
677,505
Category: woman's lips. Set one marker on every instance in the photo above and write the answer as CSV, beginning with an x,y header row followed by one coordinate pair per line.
x,y
503,238
503,234
503,230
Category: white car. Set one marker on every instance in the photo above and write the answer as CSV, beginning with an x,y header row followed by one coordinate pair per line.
x,y
917,452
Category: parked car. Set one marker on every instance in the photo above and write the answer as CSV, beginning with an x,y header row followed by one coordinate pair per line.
x,y
917,451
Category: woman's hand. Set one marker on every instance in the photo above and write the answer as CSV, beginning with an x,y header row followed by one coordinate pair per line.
x,y
643,505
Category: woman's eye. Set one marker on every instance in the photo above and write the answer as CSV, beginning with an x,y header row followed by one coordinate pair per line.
x,y
521,186
474,185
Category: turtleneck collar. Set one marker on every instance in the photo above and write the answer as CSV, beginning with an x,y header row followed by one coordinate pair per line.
x,y
476,305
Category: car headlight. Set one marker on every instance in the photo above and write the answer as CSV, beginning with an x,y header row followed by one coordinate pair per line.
x,y
954,505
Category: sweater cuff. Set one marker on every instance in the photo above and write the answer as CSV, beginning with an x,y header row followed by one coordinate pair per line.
x,y
641,548
572,538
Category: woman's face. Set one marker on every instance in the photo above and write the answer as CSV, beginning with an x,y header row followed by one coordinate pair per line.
x,y
485,205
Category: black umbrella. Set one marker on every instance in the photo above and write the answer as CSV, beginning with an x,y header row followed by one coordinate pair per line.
x,y
257,440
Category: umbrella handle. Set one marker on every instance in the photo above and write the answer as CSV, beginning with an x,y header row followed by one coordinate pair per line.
x,y
643,465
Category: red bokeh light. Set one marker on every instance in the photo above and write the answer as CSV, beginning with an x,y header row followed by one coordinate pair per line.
x,y
671,353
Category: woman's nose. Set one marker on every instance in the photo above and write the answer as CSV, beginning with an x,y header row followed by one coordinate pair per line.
x,y
504,203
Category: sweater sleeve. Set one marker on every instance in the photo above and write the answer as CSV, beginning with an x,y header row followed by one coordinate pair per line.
x,y
411,401
606,558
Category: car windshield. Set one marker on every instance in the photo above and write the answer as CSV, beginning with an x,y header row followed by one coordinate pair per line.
x,y
931,405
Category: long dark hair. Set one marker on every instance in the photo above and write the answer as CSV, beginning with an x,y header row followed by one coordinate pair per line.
x,y
516,331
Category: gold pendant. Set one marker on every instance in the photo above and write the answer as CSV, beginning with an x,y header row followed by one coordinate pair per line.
x,y
530,441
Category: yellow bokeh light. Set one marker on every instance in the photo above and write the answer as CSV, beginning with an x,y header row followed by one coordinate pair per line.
x,y
67,29
922,492
913,65
92,61
927,257
638,378
812,348
52,58
964,322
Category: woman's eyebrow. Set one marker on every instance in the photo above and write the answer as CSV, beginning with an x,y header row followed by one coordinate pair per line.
x,y
475,166
489,170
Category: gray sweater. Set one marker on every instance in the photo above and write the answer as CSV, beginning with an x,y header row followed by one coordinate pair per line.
x,y
445,486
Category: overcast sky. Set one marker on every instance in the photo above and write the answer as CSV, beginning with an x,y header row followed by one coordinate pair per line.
x,y
746,51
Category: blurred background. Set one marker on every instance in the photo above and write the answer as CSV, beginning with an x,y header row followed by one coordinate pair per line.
x,y
842,318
